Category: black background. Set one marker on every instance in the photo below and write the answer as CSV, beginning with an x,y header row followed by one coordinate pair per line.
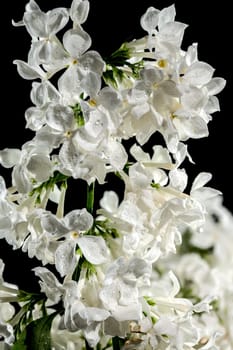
x,y
110,23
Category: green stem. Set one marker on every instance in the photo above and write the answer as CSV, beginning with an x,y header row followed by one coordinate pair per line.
x,y
116,343
90,197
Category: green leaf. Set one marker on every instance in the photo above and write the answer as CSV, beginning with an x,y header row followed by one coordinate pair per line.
x,y
36,336
20,344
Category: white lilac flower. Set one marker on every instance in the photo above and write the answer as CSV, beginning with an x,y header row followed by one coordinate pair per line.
x,y
13,222
62,339
31,165
162,27
175,94
90,151
153,213
152,268
8,294
81,63
78,316
205,271
73,228
43,28
38,244
49,284
120,292
41,95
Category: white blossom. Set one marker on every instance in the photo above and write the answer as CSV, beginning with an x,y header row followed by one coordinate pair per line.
x,y
146,267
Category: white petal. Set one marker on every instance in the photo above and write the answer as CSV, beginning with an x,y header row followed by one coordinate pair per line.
x,y
34,118
201,180
117,155
56,19
194,98
76,42
20,180
166,15
51,92
194,127
127,312
96,125
35,22
91,84
191,55
69,85
46,137
114,328
7,312
49,283
109,98
47,277
139,154
65,258
212,105
173,33
175,284
161,155
56,194
32,6
79,220
79,11
92,61
160,177
151,75
145,128
138,94
150,19
52,225
178,179
3,190
59,117
169,87
9,157
205,193
216,85
199,73
139,176
71,159
52,55
94,314
38,93
110,201
5,226
27,72
140,110
94,249
40,167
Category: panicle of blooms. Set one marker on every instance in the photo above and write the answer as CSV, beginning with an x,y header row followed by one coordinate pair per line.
x,y
149,268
